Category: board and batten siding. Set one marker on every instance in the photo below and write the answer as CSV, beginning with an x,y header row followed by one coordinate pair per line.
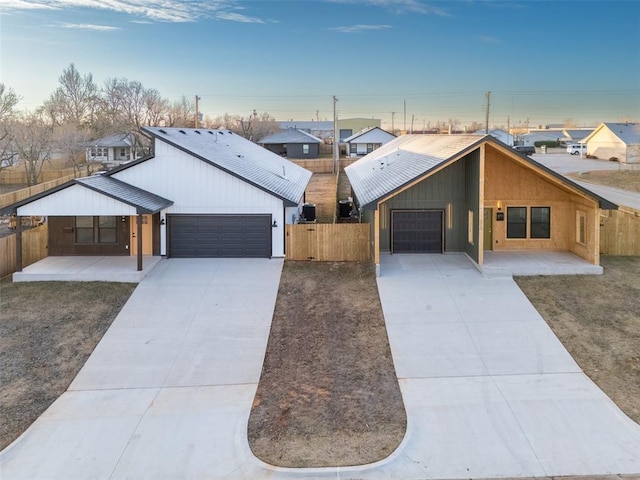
x,y
77,201
443,190
197,187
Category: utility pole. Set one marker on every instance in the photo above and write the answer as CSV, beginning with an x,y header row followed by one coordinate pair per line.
x,y
393,128
486,120
336,138
197,111
405,116
509,130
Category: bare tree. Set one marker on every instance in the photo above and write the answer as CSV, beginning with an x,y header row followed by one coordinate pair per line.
x,y
33,140
254,127
74,101
181,114
72,142
8,102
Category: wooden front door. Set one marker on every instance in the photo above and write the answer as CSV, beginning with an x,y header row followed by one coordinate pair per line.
x,y
147,235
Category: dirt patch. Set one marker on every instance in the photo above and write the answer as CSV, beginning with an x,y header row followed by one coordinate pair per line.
x,y
328,394
47,332
597,318
625,179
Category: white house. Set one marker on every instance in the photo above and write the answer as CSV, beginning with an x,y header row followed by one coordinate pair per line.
x,y
367,140
615,140
113,150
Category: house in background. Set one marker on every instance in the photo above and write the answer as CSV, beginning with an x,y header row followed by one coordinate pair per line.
x,y
615,140
113,150
202,193
470,194
323,129
530,139
575,135
501,135
292,143
367,140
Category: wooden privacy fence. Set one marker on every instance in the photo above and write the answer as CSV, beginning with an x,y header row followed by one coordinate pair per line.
x,y
325,242
19,176
16,196
620,232
34,248
322,165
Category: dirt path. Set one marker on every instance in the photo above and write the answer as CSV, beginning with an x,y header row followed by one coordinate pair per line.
x,y
328,395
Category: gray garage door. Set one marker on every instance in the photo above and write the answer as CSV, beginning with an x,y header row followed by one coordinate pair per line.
x,y
207,236
417,231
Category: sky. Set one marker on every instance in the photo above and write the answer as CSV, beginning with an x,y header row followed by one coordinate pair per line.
x,y
410,63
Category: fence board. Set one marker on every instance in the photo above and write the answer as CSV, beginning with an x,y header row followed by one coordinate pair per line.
x,y
341,242
620,232
17,195
34,248
322,165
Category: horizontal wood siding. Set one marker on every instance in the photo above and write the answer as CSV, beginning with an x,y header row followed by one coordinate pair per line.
x,y
34,248
620,232
341,242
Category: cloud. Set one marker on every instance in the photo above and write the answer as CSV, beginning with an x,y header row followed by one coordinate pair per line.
x,y
400,6
177,11
238,17
89,26
489,39
359,28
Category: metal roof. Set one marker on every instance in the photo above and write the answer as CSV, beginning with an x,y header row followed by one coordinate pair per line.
x,y
142,200
238,157
402,160
629,133
409,157
115,140
364,131
290,135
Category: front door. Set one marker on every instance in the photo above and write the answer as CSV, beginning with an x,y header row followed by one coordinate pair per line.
x,y
147,235
488,229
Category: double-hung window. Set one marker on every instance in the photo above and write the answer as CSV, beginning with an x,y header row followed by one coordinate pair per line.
x,y
523,222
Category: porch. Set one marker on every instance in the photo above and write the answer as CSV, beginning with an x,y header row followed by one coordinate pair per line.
x,y
87,269
526,263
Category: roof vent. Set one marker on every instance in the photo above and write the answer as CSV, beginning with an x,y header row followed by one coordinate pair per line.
x,y
284,172
198,132
163,131
182,132
221,132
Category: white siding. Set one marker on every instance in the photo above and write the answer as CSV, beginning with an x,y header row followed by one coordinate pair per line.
x,y
76,201
197,187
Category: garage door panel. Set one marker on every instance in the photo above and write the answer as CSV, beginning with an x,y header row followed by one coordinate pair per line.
x,y
417,231
224,236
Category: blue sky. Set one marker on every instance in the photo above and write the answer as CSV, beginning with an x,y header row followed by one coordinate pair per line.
x,y
543,61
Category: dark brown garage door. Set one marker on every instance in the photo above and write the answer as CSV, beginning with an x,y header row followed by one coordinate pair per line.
x,y
216,236
417,231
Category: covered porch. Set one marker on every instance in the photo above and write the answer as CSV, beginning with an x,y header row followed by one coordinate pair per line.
x,y
87,269
530,262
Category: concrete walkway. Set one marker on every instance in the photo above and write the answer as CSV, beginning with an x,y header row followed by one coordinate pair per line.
x,y
489,390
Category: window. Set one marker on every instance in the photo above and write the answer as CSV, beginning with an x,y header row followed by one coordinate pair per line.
x,y
123,152
96,230
581,227
540,222
370,147
516,222
305,149
84,229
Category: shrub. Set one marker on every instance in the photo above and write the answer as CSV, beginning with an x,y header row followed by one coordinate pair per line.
x,y
546,143
592,157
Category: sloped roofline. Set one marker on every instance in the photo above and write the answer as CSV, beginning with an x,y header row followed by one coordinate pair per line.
x,y
602,202
365,131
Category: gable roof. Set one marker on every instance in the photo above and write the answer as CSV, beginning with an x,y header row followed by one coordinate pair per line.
x,y
409,157
628,133
290,135
236,156
366,131
142,200
115,140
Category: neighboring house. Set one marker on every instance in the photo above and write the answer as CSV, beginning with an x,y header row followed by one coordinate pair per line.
x,y
367,140
530,139
202,193
615,140
501,135
113,150
321,129
348,126
575,136
470,193
292,143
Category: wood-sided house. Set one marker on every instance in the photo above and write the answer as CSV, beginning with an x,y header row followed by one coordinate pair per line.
x,y
201,193
470,193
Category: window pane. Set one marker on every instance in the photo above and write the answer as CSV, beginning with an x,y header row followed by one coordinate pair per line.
x,y
107,235
84,222
540,222
516,222
84,235
107,222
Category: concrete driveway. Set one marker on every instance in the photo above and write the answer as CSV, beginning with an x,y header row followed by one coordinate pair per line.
x,y
167,392
489,390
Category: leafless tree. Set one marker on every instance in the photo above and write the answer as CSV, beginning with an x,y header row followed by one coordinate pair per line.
x,y
74,101
8,102
254,127
181,113
33,140
72,142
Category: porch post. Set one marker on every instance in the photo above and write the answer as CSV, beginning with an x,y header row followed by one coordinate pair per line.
x,y
139,222
18,243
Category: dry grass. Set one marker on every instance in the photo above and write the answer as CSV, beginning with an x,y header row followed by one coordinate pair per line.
x,y
322,191
625,179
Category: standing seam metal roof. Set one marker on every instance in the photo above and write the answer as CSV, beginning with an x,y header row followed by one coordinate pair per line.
x,y
291,135
144,201
241,158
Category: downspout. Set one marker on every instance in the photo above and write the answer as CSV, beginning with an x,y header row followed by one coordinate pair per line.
x,y
139,223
